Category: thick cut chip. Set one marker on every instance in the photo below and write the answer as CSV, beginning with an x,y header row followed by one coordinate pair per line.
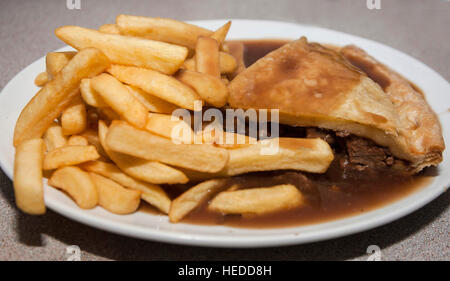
x,y
161,29
28,188
54,137
151,193
145,170
163,86
211,89
207,56
116,95
124,138
74,117
114,197
90,96
69,155
258,201
55,62
164,125
126,50
57,94
194,197
78,184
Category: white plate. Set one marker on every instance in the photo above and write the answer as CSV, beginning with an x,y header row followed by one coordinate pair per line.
x,y
157,227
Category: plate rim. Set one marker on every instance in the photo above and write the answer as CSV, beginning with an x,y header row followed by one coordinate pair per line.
x,y
209,240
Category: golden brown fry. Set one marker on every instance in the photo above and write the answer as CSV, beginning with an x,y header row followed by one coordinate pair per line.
x,y
56,61
90,96
41,79
69,155
194,197
54,137
77,140
257,201
165,87
116,95
207,56
151,102
110,28
145,170
189,64
126,50
220,34
57,94
28,188
151,193
161,29
163,125
124,138
114,197
78,184
310,155
227,63
209,88
74,118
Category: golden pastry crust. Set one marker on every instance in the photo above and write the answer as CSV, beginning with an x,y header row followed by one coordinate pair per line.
x,y
312,85
419,125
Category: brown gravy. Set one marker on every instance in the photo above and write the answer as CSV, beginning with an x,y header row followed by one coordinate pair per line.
x,y
326,200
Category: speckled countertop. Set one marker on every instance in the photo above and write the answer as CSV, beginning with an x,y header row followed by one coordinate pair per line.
x,y
419,28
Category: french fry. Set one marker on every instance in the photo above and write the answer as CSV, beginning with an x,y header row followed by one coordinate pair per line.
x,y
90,96
28,188
151,193
74,118
194,197
78,184
151,102
220,34
227,63
189,64
236,49
114,197
55,62
207,56
41,79
109,28
309,155
163,125
209,88
124,138
69,155
77,140
54,137
165,87
57,94
161,29
126,50
257,201
116,95
145,170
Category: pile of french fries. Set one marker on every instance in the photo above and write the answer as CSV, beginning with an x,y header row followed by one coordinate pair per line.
x,y
100,128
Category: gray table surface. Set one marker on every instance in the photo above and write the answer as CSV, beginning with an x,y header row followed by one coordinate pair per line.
x,y
419,28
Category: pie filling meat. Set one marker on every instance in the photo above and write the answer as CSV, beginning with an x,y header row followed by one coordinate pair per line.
x,y
375,120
